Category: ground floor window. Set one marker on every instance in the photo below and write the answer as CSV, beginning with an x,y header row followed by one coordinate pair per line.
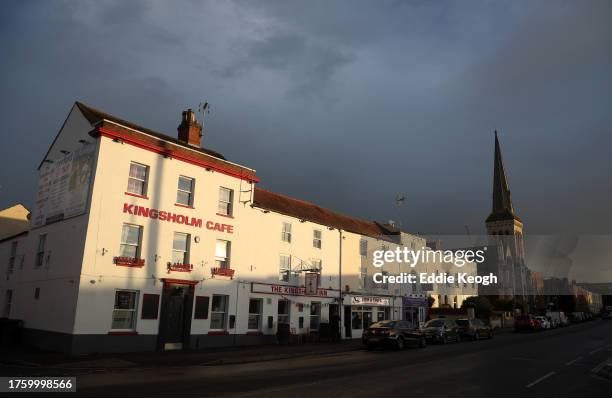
x,y
383,314
218,313
361,317
124,312
283,311
255,306
315,315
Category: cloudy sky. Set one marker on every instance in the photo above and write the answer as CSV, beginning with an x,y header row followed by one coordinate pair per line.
x,y
345,104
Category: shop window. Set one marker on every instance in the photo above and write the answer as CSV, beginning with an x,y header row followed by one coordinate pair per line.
x,y
137,180
363,247
222,254
315,315
284,268
40,253
201,307
180,248
361,317
226,197
255,309
124,312
286,232
283,311
184,194
218,312
316,239
150,306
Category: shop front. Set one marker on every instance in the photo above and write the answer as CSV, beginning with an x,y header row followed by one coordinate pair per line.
x,y
361,311
414,310
306,313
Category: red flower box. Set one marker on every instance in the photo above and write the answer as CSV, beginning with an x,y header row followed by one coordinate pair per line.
x,y
129,261
222,272
178,267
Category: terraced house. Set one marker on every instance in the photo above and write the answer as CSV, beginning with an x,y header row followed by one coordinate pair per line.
x,y
142,241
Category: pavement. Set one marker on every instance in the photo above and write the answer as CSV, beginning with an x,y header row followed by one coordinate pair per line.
x,y
35,361
569,362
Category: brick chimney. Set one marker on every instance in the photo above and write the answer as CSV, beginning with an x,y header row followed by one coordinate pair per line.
x,y
190,131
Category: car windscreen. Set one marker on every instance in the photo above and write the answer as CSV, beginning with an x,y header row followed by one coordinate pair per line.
x,y
383,324
436,323
463,322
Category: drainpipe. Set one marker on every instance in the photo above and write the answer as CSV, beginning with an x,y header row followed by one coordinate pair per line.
x,y
341,303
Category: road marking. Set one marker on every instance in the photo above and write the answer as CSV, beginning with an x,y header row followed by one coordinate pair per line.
x,y
546,376
595,350
573,360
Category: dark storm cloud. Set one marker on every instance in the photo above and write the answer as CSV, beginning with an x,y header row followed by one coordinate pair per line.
x,y
343,103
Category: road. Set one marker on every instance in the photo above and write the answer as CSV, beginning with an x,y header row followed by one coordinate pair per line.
x,y
555,363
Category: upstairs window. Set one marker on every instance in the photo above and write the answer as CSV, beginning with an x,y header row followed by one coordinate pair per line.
x,y
222,254
137,181
363,247
316,239
226,197
286,232
12,257
180,248
284,268
184,194
40,253
130,241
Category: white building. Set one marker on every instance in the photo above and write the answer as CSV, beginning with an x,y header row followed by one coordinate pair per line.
x,y
139,241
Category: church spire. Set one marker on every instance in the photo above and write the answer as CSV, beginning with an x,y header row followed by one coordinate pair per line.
x,y
502,203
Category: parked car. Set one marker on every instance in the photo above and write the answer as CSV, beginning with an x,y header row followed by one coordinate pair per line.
x,y
393,333
526,322
474,329
441,331
544,323
557,318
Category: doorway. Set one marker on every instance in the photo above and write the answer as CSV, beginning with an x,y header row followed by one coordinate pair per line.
x,y
175,316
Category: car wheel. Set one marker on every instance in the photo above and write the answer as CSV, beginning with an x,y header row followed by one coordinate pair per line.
x,y
400,343
458,338
422,342
490,334
476,336
444,339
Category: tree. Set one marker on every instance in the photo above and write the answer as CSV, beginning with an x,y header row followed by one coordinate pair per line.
x,y
482,306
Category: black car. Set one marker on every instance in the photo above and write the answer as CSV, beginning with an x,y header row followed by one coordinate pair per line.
x,y
441,330
392,333
474,329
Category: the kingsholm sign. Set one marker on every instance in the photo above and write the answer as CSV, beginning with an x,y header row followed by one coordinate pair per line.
x,y
162,215
287,290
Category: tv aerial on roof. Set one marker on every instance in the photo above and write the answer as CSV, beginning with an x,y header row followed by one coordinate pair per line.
x,y
203,110
400,199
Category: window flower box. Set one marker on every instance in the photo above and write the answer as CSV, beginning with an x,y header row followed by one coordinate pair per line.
x,y
178,267
129,261
222,272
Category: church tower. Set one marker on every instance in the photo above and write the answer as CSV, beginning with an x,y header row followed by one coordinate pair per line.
x,y
503,224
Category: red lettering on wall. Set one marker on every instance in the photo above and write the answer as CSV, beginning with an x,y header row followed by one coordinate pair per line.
x,y
162,215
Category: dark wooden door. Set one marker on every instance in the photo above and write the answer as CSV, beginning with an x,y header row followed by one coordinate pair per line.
x,y
175,315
